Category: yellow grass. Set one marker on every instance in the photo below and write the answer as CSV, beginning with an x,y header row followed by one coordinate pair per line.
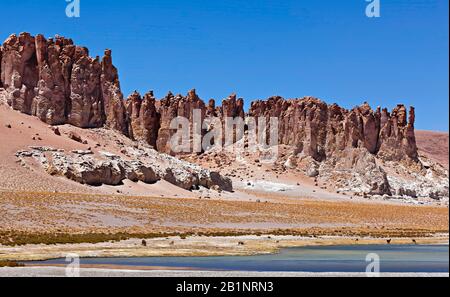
x,y
73,218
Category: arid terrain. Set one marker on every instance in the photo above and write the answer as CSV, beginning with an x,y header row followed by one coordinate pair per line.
x,y
84,170
434,145
46,209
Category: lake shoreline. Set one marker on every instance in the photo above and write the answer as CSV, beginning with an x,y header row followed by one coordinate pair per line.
x,y
198,246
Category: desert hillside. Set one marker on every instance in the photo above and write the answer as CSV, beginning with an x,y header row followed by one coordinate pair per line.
x,y
434,145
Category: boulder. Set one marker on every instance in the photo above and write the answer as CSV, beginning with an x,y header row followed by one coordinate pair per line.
x,y
75,137
137,171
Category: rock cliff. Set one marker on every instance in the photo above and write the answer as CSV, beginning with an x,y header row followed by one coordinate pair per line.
x,y
59,83
320,130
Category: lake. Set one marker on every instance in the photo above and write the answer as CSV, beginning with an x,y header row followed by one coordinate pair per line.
x,y
393,258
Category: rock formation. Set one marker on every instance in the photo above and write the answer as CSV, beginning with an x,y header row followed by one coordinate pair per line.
x,y
19,74
143,118
60,83
320,130
113,101
54,67
233,107
109,169
172,107
344,144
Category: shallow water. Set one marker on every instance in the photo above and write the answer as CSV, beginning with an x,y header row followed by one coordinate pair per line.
x,y
393,258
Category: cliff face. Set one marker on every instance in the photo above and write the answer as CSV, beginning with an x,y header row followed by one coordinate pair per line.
x,y
114,108
60,83
143,118
320,130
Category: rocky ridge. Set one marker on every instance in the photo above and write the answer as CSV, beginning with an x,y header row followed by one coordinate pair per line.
x,y
321,130
60,83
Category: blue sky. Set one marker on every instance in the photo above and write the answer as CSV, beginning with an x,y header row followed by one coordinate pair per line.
x,y
259,48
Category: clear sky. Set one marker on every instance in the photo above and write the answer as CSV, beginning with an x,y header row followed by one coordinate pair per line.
x,y
259,48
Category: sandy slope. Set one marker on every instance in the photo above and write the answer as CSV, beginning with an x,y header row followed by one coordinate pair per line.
x,y
434,145
20,136
28,131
